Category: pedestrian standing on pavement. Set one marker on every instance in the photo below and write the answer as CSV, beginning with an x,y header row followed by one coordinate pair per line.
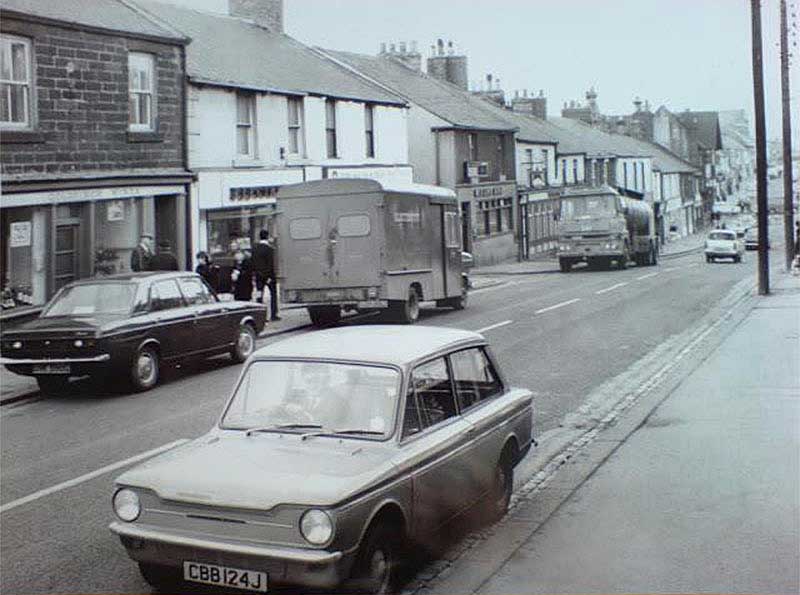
x,y
208,270
264,269
142,254
242,277
165,260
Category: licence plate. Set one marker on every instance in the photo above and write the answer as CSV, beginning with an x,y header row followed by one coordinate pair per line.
x,y
51,369
225,576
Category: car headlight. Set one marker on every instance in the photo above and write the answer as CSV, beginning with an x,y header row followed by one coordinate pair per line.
x,y
78,343
316,526
17,345
126,505
564,247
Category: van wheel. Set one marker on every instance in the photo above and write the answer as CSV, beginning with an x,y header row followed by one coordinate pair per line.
x,y
245,343
406,311
622,261
162,578
377,567
144,370
53,385
653,256
324,315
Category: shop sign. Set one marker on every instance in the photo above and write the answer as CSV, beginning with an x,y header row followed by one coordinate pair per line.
x,y
253,193
20,233
492,191
115,210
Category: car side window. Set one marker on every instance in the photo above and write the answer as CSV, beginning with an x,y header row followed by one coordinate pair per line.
x,y
474,377
434,392
165,295
411,418
194,291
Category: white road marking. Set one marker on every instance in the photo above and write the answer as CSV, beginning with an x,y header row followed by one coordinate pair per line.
x,y
612,288
561,305
494,287
647,276
88,476
667,270
694,264
494,326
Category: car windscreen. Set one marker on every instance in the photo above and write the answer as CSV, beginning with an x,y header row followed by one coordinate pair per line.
x,y
588,206
310,395
722,235
92,299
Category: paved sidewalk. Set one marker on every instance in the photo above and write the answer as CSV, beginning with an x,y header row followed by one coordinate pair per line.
x,y
704,496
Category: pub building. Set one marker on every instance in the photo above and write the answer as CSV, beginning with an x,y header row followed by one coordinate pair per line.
x,y
92,144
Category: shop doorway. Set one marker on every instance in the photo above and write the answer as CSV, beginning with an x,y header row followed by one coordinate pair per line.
x,y
67,253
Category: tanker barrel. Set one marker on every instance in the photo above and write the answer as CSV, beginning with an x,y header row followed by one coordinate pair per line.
x,y
638,215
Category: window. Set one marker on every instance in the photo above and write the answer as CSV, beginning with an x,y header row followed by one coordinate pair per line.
x,y
497,215
305,228
351,226
330,128
625,174
564,170
245,124
296,140
431,385
369,129
165,295
474,378
635,176
452,230
141,82
472,141
545,168
15,82
575,170
195,291
501,155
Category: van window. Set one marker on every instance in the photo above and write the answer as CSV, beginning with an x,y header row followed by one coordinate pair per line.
x,y
351,226
452,230
305,228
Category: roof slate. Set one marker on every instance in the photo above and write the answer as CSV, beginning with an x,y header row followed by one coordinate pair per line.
x,y
236,52
450,103
111,15
704,126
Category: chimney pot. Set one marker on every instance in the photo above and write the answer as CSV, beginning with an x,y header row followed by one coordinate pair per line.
x,y
402,47
383,47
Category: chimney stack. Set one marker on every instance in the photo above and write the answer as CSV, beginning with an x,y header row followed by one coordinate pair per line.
x,y
265,13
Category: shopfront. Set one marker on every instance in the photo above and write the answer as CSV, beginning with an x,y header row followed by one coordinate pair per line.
x,y
489,220
52,238
538,228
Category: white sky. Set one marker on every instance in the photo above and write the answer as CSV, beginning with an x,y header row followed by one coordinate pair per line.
x,y
692,54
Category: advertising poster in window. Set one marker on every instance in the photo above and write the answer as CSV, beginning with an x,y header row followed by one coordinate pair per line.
x,y
20,234
115,210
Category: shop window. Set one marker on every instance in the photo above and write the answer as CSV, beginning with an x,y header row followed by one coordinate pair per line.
x,y
305,228
349,226
18,235
296,140
245,124
237,229
141,77
15,82
117,229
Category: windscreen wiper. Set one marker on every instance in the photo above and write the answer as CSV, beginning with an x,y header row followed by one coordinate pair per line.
x,y
279,427
341,433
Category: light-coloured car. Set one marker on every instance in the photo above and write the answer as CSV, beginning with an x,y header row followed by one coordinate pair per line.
x,y
337,450
724,243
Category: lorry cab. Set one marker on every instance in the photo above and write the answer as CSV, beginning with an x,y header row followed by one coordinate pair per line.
x,y
362,244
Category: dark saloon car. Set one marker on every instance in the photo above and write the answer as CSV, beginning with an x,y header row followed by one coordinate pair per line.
x,y
128,326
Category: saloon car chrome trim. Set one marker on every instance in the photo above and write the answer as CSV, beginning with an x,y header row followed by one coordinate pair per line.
x,y
61,360
279,553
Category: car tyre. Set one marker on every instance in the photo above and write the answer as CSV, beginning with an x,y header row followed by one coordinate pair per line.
x,y
145,368
622,261
407,311
499,496
245,343
565,265
162,578
377,567
53,385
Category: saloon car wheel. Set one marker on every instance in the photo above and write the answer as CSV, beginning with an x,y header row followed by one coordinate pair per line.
x,y
161,578
245,343
377,567
144,372
500,495
53,385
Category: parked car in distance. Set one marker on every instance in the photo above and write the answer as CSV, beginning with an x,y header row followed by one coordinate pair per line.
x,y
368,441
129,325
724,243
751,241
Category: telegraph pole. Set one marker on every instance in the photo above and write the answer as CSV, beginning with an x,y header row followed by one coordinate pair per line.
x,y
788,206
761,150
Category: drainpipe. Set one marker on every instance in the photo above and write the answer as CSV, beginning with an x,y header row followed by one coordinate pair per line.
x,y
188,232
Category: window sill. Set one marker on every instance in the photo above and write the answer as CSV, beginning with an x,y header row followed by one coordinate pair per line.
x,y
245,163
144,136
10,136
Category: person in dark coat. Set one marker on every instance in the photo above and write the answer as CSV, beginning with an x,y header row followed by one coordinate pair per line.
x,y
208,270
142,254
165,260
242,277
264,270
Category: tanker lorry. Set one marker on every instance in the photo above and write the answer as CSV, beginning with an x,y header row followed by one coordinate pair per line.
x,y
598,227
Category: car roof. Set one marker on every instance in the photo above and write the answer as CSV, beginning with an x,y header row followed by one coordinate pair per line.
x,y
379,344
142,276
729,232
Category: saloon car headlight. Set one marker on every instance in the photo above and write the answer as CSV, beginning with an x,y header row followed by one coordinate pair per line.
x,y
78,342
17,345
126,505
316,526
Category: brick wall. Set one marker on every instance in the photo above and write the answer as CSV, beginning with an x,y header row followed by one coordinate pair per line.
x,y
80,99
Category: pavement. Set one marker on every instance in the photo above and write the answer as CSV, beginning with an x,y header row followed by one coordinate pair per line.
x,y
701,494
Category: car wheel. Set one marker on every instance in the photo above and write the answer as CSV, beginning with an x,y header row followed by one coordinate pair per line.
x,y
145,368
377,567
161,578
565,265
53,385
324,315
245,343
407,311
499,495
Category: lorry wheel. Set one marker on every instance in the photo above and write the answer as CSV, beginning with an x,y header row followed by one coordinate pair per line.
x,y
407,311
622,262
564,265
324,315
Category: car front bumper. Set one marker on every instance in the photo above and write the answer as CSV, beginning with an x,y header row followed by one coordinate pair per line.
x,y
283,565
78,366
